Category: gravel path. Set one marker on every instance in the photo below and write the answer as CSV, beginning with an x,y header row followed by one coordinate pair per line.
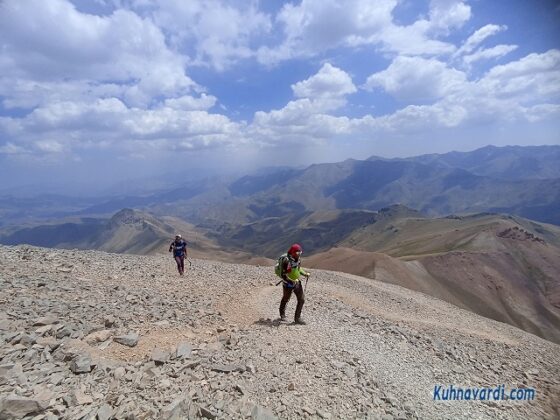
x,y
87,334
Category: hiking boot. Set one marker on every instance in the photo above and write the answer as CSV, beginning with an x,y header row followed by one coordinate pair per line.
x,y
300,322
283,318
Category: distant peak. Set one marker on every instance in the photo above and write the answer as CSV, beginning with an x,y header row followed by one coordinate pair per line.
x,y
399,210
127,217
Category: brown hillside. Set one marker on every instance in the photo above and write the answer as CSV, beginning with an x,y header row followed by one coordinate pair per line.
x,y
493,266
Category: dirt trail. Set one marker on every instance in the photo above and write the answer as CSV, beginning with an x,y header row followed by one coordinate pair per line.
x,y
387,302
248,306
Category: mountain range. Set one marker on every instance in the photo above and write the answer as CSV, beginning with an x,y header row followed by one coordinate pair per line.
x,y
512,180
523,181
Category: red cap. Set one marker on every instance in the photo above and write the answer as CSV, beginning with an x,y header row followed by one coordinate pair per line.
x,y
293,249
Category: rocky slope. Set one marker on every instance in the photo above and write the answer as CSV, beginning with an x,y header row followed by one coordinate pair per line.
x,y
85,334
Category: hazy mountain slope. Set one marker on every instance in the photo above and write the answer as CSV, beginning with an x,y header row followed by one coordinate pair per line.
x,y
315,231
208,208
437,191
20,209
509,162
173,195
129,232
74,231
517,180
433,189
249,185
546,209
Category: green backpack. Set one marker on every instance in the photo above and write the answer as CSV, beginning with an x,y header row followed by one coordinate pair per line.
x,y
279,264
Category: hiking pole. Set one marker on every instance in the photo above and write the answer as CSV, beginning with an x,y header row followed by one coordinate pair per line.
x,y
306,280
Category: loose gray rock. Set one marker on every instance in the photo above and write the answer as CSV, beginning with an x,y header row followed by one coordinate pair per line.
x,y
227,368
81,364
308,410
119,372
16,407
28,340
130,339
174,410
109,321
323,414
207,413
261,413
80,398
105,412
184,350
65,331
98,336
46,320
159,356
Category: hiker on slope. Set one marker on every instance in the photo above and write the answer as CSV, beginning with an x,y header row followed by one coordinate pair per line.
x,y
291,271
179,249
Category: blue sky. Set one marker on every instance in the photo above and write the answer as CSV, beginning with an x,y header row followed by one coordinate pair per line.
x,y
103,90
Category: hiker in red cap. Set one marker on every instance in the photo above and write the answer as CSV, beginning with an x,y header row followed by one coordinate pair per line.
x,y
291,271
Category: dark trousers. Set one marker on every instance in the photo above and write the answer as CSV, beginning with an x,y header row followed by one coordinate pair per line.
x,y
180,260
298,290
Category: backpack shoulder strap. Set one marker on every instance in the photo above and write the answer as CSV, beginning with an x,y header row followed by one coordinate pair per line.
x,y
285,262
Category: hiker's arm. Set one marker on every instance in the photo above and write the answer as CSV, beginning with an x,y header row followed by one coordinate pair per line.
x,y
171,247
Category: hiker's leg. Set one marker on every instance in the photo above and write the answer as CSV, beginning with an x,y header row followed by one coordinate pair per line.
x,y
182,264
178,261
298,290
285,298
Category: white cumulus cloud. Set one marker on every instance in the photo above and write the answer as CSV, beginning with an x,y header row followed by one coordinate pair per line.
x,y
51,45
448,14
487,53
315,26
329,82
479,36
219,33
417,79
191,103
